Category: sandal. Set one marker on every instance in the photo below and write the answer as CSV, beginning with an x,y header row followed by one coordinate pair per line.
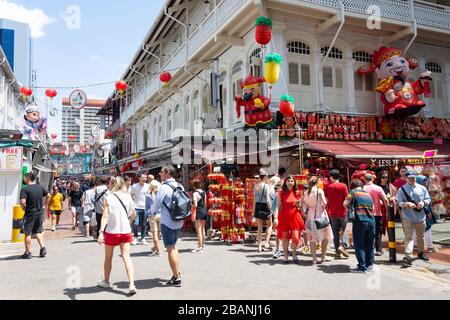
x,y
296,261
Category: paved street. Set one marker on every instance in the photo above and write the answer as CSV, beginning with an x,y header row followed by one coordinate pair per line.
x,y
74,264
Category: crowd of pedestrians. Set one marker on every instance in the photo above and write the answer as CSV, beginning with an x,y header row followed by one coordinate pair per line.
x,y
118,213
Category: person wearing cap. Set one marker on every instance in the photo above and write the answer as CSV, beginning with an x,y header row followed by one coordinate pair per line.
x,y
412,198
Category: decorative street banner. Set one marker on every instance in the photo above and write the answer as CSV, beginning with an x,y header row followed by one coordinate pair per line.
x,y
318,126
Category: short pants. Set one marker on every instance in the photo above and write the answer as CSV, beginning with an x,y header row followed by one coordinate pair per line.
x,y
169,236
33,224
114,240
56,212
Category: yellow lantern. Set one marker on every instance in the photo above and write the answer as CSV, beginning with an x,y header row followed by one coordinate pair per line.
x,y
272,65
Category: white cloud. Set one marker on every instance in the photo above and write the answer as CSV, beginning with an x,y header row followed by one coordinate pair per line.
x,y
36,18
96,59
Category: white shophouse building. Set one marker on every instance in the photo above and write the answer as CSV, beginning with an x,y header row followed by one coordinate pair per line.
x,y
187,35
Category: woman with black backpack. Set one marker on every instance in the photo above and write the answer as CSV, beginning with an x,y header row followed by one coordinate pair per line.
x,y
199,202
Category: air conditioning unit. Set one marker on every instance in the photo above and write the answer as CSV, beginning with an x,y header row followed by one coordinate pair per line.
x,y
210,121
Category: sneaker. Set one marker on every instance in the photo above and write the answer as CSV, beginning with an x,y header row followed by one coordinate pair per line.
x,y
379,254
43,252
370,269
358,270
154,254
196,250
103,284
277,254
134,242
53,229
143,242
174,282
406,262
26,256
431,250
423,256
132,291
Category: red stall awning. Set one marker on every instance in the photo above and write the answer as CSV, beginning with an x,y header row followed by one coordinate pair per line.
x,y
364,150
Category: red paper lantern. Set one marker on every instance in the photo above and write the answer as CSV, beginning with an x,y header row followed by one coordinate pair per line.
x,y
165,77
54,136
263,33
121,86
25,91
71,137
51,93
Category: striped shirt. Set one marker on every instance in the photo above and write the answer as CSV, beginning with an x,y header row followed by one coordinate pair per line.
x,y
363,204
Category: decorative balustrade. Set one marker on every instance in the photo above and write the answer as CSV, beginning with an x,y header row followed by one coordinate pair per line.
x,y
425,14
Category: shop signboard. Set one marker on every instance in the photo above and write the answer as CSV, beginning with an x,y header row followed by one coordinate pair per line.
x,y
430,154
11,159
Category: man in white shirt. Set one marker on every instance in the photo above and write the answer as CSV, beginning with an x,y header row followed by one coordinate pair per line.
x,y
170,229
138,192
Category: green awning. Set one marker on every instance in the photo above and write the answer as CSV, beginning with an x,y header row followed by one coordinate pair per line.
x,y
22,143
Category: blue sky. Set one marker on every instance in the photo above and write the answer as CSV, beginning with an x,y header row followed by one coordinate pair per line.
x,y
96,48
99,51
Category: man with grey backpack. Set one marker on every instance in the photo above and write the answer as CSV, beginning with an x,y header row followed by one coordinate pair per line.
x,y
175,206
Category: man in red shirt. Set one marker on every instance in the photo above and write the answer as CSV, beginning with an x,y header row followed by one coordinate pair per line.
x,y
336,193
400,182
379,199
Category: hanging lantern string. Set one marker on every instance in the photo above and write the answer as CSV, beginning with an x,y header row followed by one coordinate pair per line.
x,y
111,82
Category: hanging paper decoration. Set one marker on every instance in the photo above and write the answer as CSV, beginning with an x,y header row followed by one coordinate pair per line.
x,y
71,137
121,86
287,104
272,65
263,33
51,93
54,136
165,78
25,92
136,156
401,97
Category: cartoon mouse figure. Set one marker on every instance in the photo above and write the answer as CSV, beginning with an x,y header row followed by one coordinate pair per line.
x,y
399,95
34,125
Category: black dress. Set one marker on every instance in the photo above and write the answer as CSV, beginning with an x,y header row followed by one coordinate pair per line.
x,y
202,213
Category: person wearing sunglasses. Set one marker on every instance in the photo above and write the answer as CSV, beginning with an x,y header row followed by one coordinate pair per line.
x,y
384,181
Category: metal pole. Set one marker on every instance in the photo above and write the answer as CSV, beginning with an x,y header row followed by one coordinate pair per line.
x,y
391,234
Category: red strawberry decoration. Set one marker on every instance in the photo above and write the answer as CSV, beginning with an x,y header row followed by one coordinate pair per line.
x,y
287,106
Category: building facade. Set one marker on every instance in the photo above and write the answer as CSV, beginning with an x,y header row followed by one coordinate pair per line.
x,y
16,41
79,123
11,115
193,39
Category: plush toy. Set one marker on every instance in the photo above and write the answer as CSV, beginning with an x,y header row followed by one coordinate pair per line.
x,y
34,125
399,96
256,106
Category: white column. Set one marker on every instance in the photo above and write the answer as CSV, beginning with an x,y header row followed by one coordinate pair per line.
x,y
446,93
318,83
425,111
350,90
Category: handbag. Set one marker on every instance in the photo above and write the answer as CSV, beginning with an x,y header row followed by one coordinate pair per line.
x,y
262,210
323,221
351,211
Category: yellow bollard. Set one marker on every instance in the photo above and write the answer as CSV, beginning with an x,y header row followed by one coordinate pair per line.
x,y
18,214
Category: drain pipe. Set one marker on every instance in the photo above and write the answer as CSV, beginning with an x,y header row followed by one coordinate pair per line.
x,y
342,14
166,12
414,25
153,55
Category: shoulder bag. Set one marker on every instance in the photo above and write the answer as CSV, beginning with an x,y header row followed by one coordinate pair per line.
x,y
262,210
351,217
323,221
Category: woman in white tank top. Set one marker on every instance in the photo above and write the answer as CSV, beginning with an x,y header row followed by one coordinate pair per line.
x,y
115,230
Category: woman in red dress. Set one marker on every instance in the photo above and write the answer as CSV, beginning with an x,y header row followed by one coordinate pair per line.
x,y
288,218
